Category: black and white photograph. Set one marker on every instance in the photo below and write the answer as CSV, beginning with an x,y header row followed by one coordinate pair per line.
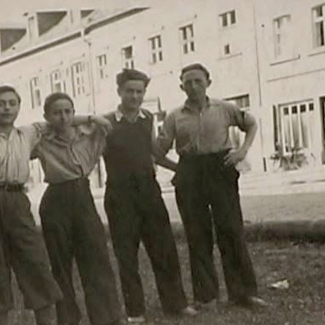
x,y
162,162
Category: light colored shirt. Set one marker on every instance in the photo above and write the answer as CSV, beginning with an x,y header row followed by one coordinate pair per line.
x,y
15,153
119,115
200,132
63,160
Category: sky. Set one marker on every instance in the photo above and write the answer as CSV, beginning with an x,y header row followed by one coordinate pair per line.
x,y
13,10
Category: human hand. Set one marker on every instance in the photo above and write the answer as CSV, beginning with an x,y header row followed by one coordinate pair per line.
x,y
102,121
234,156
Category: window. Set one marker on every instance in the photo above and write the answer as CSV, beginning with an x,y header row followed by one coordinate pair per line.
x,y
156,49
78,79
101,66
294,123
226,49
127,55
319,25
32,28
57,84
228,18
240,101
35,92
282,37
187,38
236,136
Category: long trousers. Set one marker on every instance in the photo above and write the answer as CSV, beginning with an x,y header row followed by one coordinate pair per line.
x,y
207,197
136,212
22,249
73,229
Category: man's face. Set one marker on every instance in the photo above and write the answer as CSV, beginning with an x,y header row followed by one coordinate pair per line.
x,y
60,115
9,108
195,83
132,93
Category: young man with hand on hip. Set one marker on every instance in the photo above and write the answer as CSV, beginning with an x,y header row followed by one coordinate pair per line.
x,y
207,187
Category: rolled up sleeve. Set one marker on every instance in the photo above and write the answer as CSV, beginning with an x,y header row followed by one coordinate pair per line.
x,y
34,133
236,116
98,139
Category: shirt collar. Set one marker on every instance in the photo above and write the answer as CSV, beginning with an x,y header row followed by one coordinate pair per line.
x,y
50,134
187,105
119,115
13,132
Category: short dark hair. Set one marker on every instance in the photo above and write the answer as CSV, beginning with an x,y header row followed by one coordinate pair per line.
x,y
50,99
7,88
131,74
195,66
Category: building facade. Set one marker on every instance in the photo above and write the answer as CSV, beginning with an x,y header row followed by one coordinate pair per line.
x,y
266,56
291,49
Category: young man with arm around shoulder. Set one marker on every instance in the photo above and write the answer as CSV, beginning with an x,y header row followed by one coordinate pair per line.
x,y
134,205
71,225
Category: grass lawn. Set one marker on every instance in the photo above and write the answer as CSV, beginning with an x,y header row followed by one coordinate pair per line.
x,y
303,265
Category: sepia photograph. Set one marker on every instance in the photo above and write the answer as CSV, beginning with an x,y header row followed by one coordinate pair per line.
x,y
162,162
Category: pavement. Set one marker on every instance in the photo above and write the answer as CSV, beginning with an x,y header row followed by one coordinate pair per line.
x,y
286,204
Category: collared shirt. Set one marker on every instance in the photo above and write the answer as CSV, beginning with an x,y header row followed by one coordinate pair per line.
x,y
119,115
141,114
15,153
200,132
63,160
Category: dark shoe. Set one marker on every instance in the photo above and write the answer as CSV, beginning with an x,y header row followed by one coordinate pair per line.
x,y
136,320
188,311
251,302
199,305
257,302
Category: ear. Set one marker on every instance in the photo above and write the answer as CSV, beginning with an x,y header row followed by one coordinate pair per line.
x,y
182,87
209,82
119,91
45,116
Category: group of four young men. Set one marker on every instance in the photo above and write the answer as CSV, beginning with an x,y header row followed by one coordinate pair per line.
x,y
68,148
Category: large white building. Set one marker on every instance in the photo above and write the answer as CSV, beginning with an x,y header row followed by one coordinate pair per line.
x,y
267,56
291,49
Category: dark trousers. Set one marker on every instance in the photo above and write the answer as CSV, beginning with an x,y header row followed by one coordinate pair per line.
x,y
72,228
23,250
207,195
136,212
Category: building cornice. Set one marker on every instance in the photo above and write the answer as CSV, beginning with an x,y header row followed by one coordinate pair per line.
x,y
40,47
71,36
112,19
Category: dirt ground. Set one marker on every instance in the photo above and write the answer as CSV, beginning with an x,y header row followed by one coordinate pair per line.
x,y
302,264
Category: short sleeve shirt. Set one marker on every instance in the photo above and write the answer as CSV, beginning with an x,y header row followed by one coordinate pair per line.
x,y
64,160
15,152
201,132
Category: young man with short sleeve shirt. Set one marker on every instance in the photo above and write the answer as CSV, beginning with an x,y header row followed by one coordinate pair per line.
x,y
206,186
